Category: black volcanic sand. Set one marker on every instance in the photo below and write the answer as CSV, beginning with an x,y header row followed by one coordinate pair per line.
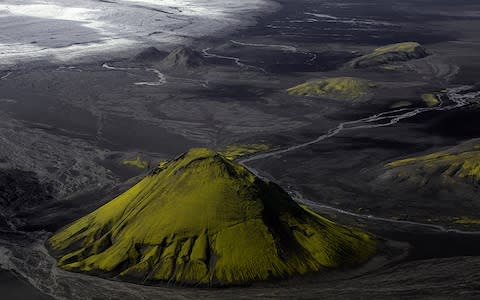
x,y
13,287
346,169
221,103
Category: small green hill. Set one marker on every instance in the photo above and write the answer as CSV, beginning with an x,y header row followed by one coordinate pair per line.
x,y
390,54
457,164
430,99
340,88
203,219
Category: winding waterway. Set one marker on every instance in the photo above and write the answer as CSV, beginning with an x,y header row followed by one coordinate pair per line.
x,y
162,79
450,99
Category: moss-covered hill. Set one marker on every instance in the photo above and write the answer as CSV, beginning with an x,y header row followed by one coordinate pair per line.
x,y
340,88
390,54
202,219
460,164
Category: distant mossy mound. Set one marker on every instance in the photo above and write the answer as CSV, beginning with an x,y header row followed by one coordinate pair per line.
x,y
340,88
182,59
203,219
390,54
430,99
236,151
460,164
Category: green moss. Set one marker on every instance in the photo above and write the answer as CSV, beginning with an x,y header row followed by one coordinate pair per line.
x,y
342,88
467,221
233,152
408,47
203,219
461,163
137,163
390,54
430,99
392,67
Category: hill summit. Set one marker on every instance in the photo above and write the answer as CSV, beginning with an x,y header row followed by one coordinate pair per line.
x,y
182,58
150,54
203,219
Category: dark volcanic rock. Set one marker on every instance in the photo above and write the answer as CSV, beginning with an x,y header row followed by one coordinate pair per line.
x,y
20,189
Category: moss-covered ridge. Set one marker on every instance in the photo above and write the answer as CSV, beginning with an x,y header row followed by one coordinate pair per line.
x,y
202,219
457,164
390,54
341,88
237,151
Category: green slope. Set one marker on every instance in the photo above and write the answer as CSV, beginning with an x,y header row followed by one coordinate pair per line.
x,y
340,88
457,164
203,219
390,54
237,151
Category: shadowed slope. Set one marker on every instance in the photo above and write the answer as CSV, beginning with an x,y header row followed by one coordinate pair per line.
x,y
202,219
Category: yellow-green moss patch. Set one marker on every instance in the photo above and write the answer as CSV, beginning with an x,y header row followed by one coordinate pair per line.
x,y
236,151
390,54
137,163
467,221
203,219
461,163
341,88
408,47
430,99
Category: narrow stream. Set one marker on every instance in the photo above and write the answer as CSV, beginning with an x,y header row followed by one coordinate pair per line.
x,y
451,99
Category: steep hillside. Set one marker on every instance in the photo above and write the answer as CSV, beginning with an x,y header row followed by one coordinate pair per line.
x,y
203,219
